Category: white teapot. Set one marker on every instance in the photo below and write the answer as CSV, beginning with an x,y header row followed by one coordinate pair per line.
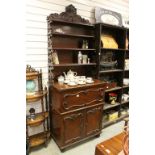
x,y
70,75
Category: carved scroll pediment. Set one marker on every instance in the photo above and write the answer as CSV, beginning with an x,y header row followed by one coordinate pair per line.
x,y
70,15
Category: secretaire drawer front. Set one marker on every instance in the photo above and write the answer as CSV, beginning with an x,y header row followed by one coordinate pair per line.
x,y
78,99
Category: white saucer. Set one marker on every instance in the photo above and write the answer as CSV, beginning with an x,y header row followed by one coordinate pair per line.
x,y
90,81
72,84
81,83
66,81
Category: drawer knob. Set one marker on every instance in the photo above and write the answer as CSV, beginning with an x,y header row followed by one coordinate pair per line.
x,y
77,95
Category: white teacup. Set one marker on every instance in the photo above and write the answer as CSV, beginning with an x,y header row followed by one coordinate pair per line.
x,y
71,83
81,82
83,78
66,81
76,79
89,78
60,79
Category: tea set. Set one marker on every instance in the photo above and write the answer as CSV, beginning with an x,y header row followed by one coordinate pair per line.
x,y
70,78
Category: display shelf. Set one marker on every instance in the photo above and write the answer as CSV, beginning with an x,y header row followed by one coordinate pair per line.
x,y
110,71
113,89
112,49
108,123
33,119
38,139
124,102
35,97
110,52
72,35
32,75
72,23
75,103
109,106
112,26
40,117
125,86
74,64
74,49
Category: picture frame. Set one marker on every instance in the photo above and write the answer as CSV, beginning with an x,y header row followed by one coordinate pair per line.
x,y
55,59
107,16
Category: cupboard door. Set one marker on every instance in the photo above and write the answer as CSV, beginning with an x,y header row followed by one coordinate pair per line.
x,y
73,127
94,120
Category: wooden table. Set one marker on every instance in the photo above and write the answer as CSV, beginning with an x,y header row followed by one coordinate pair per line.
x,y
112,146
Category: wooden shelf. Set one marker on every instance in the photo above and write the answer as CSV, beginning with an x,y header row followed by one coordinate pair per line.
x,y
74,49
71,23
38,139
113,89
35,97
109,106
125,86
126,70
113,49
72,35
111,70
124,102
74,64
108,123
40,117
113,26
32,75
120,53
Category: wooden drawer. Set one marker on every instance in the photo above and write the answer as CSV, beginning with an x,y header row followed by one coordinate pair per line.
x,y
82,98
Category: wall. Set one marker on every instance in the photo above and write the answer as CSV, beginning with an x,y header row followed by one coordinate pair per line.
x,y
36,24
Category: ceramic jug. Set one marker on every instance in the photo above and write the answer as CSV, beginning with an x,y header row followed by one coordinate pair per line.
x,y
70,75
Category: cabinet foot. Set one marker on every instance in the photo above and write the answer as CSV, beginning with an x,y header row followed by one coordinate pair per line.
x,y
63,150
45,144
97,136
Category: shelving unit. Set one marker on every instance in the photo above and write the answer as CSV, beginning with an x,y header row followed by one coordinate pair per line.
x,y
108,123
73,64
38,139
73,108
74,49
111,71
35,94
113,75
109,106
66,35
61,21
113,89
71,35
38,120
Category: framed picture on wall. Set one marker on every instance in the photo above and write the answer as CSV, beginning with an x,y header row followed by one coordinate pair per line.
x,y
107,16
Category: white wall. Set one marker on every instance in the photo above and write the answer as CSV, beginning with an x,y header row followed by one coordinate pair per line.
x,y
36,24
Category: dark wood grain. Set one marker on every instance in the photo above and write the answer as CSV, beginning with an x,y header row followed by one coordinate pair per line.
x,y
77,109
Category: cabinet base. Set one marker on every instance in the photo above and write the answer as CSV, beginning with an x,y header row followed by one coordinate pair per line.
x,y
68,146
